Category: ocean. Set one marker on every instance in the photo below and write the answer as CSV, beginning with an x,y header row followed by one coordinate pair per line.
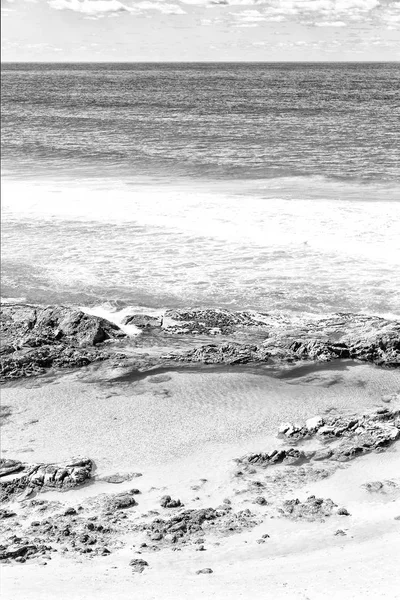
x,y
273,187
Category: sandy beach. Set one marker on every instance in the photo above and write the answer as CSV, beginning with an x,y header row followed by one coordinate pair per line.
x,y
182,432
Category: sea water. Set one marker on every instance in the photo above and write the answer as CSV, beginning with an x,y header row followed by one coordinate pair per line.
x,y
274,187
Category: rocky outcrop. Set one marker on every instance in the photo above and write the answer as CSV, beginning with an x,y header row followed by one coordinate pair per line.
x,y
35,339
289,456
26,479
143,321
290,338
210,321
312,509
352,435
342,438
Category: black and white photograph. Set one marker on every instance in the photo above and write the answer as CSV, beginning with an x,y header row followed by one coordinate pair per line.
x,y
200,300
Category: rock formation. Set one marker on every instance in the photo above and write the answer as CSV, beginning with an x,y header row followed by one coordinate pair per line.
x,y
35,339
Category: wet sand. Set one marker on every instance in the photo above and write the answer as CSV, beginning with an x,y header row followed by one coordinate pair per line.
x,y
182,427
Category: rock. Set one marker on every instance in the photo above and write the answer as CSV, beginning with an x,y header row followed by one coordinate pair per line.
x,y
142,321
343,511
357,435
119,477
6,514
380,486
205,571
21,551
312,509
290,456
265,536
8,466
41,477
340,532
138,565
339,336
39,338
323,454
260,500
167,502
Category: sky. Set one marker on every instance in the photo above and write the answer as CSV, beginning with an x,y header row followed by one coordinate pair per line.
x,y
200,30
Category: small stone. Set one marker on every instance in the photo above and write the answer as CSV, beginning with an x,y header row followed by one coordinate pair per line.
x,y
265,536
261,541
261,501
205,571
340,532
343,511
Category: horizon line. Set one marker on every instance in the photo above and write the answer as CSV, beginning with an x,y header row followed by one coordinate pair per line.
x,y
188,62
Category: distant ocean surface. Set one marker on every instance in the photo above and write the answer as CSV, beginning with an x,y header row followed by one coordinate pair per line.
x,y
273,187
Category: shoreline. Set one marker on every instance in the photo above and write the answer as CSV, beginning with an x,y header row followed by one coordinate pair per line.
x,y
195,480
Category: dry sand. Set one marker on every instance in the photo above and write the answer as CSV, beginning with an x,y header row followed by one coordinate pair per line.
x,y
179,427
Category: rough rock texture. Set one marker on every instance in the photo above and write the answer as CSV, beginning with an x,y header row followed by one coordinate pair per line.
x,y
312,509
168,502
35,339
143,321
351,336
27,479
209,321
388,486
289,456
357,435
188,525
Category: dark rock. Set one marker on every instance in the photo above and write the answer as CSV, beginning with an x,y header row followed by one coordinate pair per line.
x,y
167,502
290,456
339,336
121,501
54,336
205,571
312,509
138,565
260,500
343,511
142,321
340,532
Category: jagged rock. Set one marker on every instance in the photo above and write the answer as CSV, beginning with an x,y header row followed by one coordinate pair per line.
x,y
8,466
312,509
143,321
25,551
38,338
290,456
185,523
205,571
344,335
138,565
121,501
167,502
209,321
41,477
357,435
